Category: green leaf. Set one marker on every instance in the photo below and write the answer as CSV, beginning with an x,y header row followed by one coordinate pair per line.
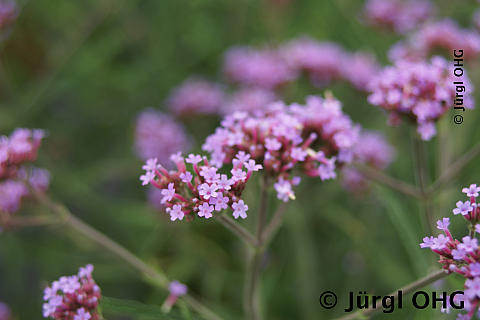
x,y
135,309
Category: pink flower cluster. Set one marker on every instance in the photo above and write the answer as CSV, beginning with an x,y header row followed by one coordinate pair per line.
x,y
264,68
419,91
8,13
397,15
443,35
158,135
325,62
203,190
371,149
196,96
73,297
15,151
461,257
316,137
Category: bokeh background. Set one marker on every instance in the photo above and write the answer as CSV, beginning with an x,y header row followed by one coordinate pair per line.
x,y
83,70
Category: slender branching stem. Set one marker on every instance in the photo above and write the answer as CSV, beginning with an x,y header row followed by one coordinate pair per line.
x,y
414,286
238,230
421,172
252,284
274,224
152,275
454,169
380,177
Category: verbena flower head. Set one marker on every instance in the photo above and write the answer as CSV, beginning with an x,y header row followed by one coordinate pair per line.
x,y
444,35
461,256
202,190
419,91
196,96
264,68
158,135
73,297
177,289
397,15
322,61
371,149
251,100
5,313
315,138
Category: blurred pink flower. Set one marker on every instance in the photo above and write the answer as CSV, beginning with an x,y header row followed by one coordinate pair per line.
x,y
8,13
443,35
251,100
397,15
158,135
5,313
264,68
322,61
196,96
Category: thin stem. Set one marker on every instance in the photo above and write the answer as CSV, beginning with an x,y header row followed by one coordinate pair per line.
x,y
275,223
251,294
240,231
155,276
21,222
421,173
454,168
380,177
405,291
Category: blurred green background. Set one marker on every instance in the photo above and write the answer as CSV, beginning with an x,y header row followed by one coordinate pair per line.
x,y
83,70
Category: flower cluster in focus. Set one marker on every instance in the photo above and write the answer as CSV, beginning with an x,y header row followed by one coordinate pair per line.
x,y
73,297
461,257
419,91
316,137
17,150
202,190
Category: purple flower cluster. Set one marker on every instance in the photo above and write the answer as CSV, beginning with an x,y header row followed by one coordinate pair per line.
x,y
371,149
419,91
73,297
158,135
317,136
443,35
203,190
19,148
397,15
325,62
265,68
196,96
461,257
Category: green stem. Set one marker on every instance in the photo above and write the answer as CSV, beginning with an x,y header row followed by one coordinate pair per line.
x,y
421,174
380,177
241,232
251,294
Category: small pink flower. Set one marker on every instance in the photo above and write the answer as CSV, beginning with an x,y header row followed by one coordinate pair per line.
x,y
239,209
